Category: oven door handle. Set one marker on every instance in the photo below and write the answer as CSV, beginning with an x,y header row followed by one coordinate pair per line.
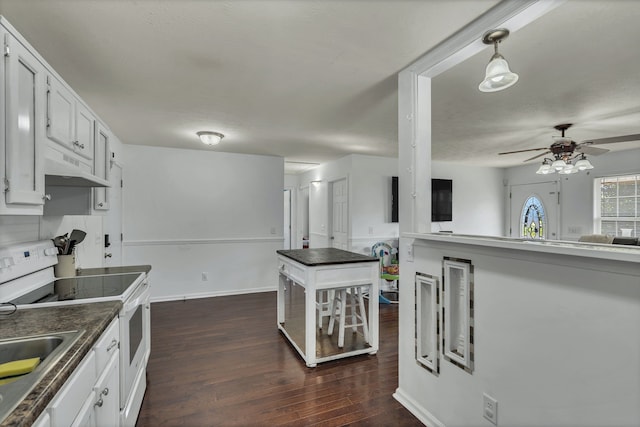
x,y
136,302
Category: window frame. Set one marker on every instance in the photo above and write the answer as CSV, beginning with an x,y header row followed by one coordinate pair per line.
x,y
597,205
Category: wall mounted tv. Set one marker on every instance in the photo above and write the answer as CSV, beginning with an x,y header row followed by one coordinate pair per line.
x,y
441,200
394,199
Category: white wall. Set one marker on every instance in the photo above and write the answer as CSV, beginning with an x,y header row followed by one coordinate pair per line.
x,y
576,191
556,341
478,199
189,212
369,187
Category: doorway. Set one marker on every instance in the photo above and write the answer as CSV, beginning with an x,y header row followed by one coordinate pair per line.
x,y
339,213
538,205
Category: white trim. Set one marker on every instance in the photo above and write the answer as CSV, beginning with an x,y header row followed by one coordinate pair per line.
x,y
377,238
417,410
204,241
214,294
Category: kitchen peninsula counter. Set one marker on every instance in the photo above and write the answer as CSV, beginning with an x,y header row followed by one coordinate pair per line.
x,y
93,318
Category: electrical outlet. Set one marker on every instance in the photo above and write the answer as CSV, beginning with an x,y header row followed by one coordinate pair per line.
x,y
205,276
273,230
490,408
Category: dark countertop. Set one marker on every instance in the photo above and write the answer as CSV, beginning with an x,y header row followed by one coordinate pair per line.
x,y
114,270
93,318
325,256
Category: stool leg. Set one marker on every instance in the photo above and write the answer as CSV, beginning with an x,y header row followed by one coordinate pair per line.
x,y
343,306
354,312
332,308
363,315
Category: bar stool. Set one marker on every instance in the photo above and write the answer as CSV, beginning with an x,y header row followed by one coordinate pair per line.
x,y
352,298
323,304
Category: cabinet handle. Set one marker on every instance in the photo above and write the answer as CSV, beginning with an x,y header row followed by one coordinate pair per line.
x,y
99,403
100,204
46,197
77,144
105,392
113,344
108,255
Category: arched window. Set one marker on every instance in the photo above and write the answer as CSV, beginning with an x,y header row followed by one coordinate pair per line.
x,y
533,220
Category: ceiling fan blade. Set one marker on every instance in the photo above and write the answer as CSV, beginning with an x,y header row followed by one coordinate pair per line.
x,y
539,155
592,151
613,139
523,151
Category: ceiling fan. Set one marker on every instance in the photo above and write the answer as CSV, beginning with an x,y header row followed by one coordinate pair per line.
x,y
565,150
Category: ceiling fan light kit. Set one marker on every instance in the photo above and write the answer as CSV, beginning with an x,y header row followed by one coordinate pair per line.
x,y
498,76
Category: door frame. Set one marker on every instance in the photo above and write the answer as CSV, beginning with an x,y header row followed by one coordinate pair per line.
x,y
330,210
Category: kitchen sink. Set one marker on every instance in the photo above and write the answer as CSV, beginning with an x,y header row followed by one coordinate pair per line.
x,y
50,348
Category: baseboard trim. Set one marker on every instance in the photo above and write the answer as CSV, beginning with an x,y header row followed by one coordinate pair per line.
x,y
418,411
213,294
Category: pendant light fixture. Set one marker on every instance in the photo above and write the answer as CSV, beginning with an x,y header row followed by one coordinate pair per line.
x,y
210,138
498,76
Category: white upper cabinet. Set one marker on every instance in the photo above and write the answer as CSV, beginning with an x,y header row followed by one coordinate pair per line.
x,y
69,122
60,113
101,166
24,90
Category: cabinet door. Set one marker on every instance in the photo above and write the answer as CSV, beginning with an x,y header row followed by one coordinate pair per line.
x,y
61,113
101,166
107,400
25,91
86,415
83,144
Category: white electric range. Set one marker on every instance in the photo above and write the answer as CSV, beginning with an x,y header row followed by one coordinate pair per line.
x,y
27,281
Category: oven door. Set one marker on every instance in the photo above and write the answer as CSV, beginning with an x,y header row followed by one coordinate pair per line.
x,y
134,339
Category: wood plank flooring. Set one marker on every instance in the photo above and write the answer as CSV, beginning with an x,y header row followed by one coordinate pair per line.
x,y
222,362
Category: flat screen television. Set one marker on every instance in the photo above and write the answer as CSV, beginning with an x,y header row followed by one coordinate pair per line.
x,y
441,200
394,199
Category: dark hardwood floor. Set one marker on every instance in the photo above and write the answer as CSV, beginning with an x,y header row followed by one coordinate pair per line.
x,y
222,362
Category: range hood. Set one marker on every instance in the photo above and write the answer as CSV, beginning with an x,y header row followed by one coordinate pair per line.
x,y
62,175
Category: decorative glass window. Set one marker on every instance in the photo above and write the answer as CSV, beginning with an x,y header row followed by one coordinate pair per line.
x,y
617,206
533,219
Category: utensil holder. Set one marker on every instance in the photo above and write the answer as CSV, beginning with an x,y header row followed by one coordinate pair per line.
x,y
66,266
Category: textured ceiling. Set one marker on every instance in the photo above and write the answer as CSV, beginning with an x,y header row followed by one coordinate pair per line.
x,y
577,64
308,80
313,81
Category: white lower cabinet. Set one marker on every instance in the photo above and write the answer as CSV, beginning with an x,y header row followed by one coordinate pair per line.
x,y
90,397
107,401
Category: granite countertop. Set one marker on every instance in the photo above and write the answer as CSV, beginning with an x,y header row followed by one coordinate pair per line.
x,y
114,270
325,256
93,318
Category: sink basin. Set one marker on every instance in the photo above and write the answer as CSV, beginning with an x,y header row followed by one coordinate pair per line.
x,y
50,348
27,348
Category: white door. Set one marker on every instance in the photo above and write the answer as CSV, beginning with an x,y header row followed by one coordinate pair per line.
x,y
548,195
339,214
287,219
113,225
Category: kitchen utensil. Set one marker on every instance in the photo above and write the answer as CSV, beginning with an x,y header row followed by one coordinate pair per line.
x,y
60,242
72,245
77,235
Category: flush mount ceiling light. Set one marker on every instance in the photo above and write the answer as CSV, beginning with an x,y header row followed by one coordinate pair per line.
x,y
210,138
497,75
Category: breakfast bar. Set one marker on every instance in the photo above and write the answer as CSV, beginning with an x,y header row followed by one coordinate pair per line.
x,y
313,283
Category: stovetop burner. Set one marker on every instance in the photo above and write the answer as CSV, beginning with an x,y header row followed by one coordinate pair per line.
x,y
76,288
